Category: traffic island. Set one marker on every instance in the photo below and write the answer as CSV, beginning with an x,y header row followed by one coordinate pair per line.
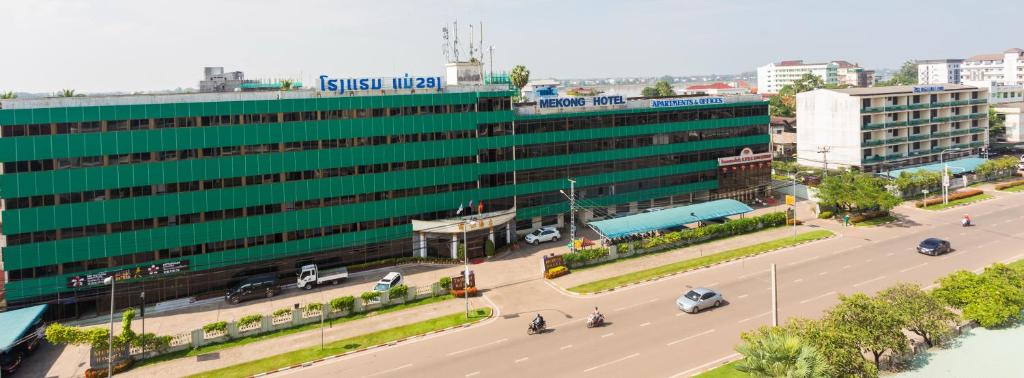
x,y
304,357
610,284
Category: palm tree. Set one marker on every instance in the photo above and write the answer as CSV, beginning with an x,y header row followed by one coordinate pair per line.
x,y
286,84
774,353
519,76
9,95
66,93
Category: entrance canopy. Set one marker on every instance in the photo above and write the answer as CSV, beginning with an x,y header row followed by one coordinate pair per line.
x,y
16,323
668,218
968,164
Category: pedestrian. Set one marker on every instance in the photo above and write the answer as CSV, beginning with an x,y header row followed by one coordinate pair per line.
x,y
846,220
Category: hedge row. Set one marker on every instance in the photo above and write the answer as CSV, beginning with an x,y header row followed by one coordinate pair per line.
x,y
584,255
965,193
1007,185
716,231
857,218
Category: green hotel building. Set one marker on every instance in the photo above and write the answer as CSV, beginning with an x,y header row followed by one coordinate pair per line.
x,y
182,195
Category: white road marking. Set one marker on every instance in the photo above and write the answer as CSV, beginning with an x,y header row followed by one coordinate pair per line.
x,y
652,300
1012,259
913,267
522,359
690,337
932,286
822,273
754,317
798,280
979,270
473,373
868,281
889,254
607,335
743,296
847,266
818,297
565,347
701,367
390,370
948,256
476,347
611,362
963,233
752,274
713,284
868,260
645,324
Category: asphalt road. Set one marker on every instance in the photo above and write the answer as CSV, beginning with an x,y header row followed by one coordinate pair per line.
x,y
647,336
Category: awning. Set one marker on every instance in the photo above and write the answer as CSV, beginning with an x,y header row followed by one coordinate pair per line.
x,y
968,164
663,219
16,323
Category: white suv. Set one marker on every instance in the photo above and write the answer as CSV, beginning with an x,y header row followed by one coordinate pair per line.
x,y
543,234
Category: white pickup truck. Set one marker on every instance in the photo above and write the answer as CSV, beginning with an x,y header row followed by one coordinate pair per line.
x,y
311,276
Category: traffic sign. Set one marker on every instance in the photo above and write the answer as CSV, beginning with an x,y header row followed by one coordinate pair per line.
x,y
790,199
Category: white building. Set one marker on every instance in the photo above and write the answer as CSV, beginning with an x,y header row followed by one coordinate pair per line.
x,y
1013,120
773,76
939,71
1006,68
881,128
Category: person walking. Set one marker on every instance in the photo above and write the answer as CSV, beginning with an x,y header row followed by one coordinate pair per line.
x,y
846,220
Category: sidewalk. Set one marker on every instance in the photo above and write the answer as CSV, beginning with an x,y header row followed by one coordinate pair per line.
x,y
262,349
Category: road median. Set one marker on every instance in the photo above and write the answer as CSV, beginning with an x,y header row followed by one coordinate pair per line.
x,y
700,262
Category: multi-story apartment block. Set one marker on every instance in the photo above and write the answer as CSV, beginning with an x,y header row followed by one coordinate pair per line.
x,y
881,128
939,71
773,76
1006,68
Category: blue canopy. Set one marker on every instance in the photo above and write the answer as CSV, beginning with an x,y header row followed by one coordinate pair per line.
x,y
968,164
16,323
663,219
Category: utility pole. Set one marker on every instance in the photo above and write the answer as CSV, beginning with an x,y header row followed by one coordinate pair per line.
x,y
465,260
823,150
775,300
572,215
142,312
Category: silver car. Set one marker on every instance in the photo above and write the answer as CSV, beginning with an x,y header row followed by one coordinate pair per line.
x,y
699,299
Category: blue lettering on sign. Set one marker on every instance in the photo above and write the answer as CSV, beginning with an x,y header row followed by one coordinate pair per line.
x,y
549,91
934,88
571,102
363,84
677,102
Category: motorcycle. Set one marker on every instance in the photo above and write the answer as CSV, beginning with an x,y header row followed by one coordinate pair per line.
x,y
595,320
965,222
536,328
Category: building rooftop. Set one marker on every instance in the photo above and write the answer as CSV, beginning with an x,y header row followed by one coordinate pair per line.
x,y
897,89
718,85
983,57
934,61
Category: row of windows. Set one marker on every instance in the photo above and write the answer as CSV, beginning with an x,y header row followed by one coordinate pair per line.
x,y
636,119
547,198
214,152
483,105
581,170
218,215
190,186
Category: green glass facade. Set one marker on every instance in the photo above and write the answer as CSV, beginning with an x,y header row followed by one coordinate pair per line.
x,y
220,189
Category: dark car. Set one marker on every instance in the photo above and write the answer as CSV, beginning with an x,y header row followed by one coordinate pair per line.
x,y
263,286
933,247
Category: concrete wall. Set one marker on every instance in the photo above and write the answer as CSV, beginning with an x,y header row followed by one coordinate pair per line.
x,y
832,119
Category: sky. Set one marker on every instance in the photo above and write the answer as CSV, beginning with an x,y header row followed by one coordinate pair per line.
x,y
141,45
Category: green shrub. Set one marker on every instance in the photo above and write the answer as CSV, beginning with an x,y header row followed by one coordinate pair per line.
x,y
370,296
825,215
445,282
584,255
314,307
249,320
489,248
715,231
152,342
282,312
220,326
399,291
557,271
857,218
346,303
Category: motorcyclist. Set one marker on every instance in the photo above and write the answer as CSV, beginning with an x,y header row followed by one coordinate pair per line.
x,y
538,321
596,314
596,317
966,221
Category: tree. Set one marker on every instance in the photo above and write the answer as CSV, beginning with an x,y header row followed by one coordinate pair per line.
x,y
906,75
9,95
662,88
776,352
875,326
996,123
519,76
922,314
842,355
993,298
912,183
66,93
1000,167
781,106
286,84
849,190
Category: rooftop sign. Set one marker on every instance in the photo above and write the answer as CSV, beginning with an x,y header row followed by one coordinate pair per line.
x,y
746,156
929,88
681,102
379,83
572,102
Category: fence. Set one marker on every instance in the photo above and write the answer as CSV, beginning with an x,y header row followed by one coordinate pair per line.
x,y
268,323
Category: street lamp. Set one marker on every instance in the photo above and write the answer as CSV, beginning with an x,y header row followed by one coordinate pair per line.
x,y
945,175
572,214
110,340
465,261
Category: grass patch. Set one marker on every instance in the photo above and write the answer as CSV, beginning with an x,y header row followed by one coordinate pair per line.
x,y
724,371
287,331
647,254
1013,189
348,345
684,265
962,201
876,221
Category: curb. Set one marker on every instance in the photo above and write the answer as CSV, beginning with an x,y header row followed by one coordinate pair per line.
x,y
369,348
693,269
961,205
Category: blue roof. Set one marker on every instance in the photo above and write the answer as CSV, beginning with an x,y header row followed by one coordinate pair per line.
x,y
16,323
660,220
968,164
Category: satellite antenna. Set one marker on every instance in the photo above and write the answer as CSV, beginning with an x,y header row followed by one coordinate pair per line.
x,y
455,43
445,44
471,35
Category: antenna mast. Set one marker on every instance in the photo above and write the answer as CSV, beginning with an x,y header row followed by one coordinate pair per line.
x,y
455,43
445,44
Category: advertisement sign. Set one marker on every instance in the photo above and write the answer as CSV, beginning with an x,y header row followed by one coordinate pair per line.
x,y
142,271
547,92
746,156
681,102
573,102
929,88
379,83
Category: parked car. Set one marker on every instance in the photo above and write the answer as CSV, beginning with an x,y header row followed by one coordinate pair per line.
x,y
699,299
543,234
933,247
653,209
262,286
389,281
311,275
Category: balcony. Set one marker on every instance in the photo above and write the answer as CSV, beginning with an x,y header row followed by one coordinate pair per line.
x,y
940,134
919,121
873,142
942,104
960,132
959,117
977,144
977,101
895,140
919,137
976,130
873,109
959,102
873,126
941,119
977,115
919,152
937,150
960,145
874,159
917,106
895,156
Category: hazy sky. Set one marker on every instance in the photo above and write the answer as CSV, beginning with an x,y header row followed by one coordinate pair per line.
x,y
131,45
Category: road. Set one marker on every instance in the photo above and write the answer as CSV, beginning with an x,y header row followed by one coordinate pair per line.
x,y
648,336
